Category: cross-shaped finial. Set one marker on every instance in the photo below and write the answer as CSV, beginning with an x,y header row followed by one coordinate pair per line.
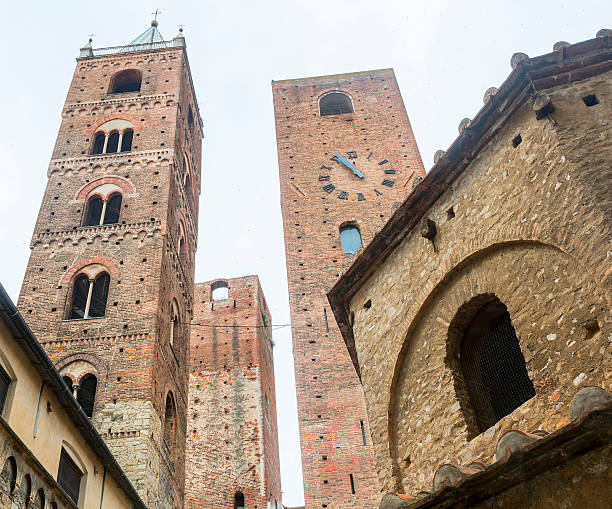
x,y
91,36
155,13
181,27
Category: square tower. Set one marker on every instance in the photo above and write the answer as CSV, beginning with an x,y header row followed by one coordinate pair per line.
x,y
108,288
232,434
347,158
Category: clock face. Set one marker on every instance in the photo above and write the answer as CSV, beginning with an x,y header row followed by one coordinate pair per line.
x,y
357,176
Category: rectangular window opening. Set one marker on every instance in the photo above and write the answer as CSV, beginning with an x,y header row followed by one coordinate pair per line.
x,y
516,141
590,100
69,476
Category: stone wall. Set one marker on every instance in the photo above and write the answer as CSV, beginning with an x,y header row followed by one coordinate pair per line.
x,y
528,223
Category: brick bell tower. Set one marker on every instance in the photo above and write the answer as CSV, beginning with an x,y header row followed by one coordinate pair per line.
x,y
347,157
232,444
108,288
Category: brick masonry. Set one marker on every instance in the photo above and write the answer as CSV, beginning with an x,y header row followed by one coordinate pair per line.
x,y
330,399
232,443
530,225
128,348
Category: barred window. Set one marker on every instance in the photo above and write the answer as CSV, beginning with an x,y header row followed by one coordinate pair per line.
x,y
335,103
493,366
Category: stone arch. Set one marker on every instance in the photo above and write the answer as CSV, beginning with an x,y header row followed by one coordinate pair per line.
x,y
88,359
479,273
8,476
135,121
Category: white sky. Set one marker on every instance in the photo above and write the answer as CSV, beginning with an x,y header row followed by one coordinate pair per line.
x,y
445,55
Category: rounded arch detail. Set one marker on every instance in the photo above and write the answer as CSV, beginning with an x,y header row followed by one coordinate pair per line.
x,y
124,184
135,121
100,368
112,268
482,292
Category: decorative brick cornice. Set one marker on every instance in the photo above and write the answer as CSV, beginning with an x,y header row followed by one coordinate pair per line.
x,y
117,100
89,233
88,163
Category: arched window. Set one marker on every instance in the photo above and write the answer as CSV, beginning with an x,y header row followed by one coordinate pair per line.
x,y
493,370
125,81
68,381
39,500
103,211
99,142
219,290
86,394
25,491
335,103
170,422
8,477
238,500
174,321
113,208
113,136
89,296
350,238
126,141
112,145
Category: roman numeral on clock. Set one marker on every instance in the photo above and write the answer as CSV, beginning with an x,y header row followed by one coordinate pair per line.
x,y
329,188
343,195
360,197
384,161
323,178
335,158
351,154
390,172
323,167
388,183
377,192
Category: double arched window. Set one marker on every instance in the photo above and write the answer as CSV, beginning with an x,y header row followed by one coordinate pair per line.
x,y
81,377
335,103
89,293
102,211
125,81
113,136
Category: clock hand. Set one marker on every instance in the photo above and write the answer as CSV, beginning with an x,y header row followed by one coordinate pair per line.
x,y
347,164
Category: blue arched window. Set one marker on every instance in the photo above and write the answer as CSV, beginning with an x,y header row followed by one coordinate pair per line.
x,y
350,238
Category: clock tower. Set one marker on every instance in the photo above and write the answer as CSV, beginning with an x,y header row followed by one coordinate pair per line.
x,y
347,156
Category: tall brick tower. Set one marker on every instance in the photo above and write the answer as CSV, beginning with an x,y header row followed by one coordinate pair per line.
x,y
347,155
232,439
108,288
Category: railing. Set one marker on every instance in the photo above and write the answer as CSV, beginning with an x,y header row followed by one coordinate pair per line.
x,y
132,48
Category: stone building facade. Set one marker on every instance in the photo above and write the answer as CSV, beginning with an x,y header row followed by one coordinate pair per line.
x,y
232,437
512,225
108,288
347,156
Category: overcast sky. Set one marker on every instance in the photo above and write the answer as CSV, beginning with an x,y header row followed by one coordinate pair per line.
x,y
445,55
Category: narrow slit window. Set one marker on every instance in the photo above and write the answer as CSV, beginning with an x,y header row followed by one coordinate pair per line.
x,y
363,432
350,239
352,483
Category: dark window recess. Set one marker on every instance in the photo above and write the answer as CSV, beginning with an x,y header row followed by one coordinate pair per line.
x,y
335,103
79,297
238,500
69,476
112,145
5,381
516,141
94,211
493,366
8,476
87,393
68,381
126,141
98,145
352,484
126,81
591,100
113,207
190,118
99,295
326,322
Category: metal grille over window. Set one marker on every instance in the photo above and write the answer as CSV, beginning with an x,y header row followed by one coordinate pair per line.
x,y
493,366
335,103
69,477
